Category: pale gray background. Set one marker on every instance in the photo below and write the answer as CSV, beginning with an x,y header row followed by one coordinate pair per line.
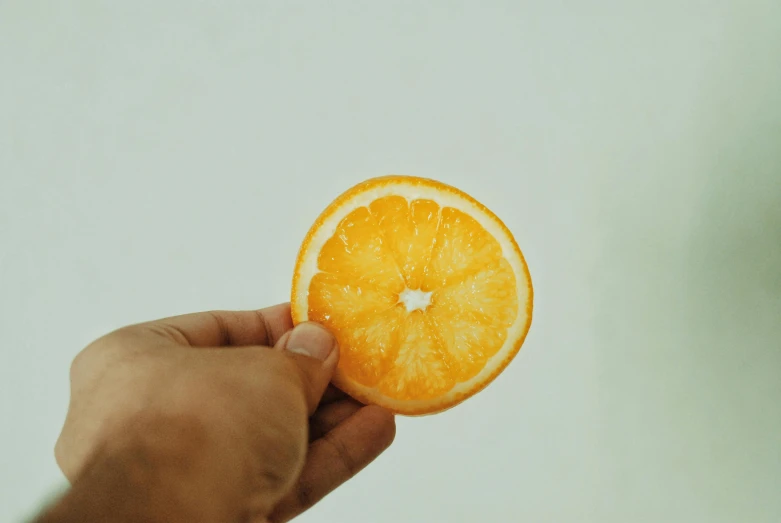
x,y
164,157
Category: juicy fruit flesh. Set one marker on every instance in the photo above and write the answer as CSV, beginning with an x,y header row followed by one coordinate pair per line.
x,y
419,296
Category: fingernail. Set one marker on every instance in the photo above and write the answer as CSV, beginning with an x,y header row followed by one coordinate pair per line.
x,y
310,339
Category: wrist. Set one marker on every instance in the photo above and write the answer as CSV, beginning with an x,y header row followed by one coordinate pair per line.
x,y
158,469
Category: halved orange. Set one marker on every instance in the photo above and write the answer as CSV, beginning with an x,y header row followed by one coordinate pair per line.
x,y
424,288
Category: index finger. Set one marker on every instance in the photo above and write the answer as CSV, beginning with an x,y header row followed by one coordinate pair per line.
x,y
227,328
336,457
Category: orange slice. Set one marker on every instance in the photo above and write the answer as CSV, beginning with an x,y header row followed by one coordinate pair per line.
x,y
425,289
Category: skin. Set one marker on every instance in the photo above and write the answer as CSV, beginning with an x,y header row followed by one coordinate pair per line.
x,y
213,417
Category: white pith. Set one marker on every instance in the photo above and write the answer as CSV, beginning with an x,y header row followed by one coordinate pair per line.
x,y
415,299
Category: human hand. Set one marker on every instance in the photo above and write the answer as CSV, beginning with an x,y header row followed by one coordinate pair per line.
x,y
216,416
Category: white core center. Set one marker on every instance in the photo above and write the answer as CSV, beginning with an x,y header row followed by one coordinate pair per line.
x,y
414,299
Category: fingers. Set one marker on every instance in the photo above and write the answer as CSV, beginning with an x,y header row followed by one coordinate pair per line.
x,y
316,354
332,394
329,416
336,457
227,328
257,400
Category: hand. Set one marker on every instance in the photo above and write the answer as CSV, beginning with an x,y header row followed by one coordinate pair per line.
x,y
217,416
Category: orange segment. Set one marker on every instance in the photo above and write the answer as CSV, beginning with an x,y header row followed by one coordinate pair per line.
x,y
421,369
338,298
356,251
473,316
409,229
378,338
425,289
462,248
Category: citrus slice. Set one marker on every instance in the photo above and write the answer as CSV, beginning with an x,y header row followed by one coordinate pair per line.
x,y
424,288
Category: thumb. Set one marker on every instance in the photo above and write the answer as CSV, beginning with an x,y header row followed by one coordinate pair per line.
x,y
316,353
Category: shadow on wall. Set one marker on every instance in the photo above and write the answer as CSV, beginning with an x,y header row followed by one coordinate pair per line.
x,y
690,306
